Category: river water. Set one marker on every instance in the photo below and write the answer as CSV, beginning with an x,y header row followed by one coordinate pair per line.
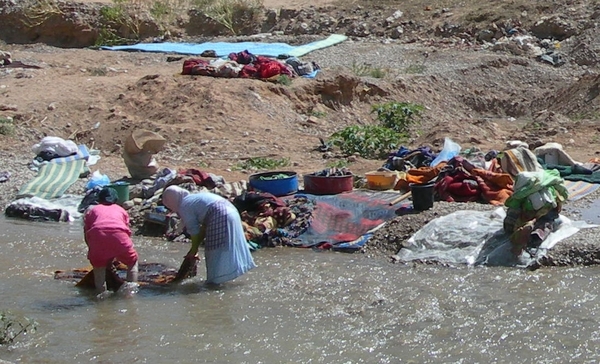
x,y
298,306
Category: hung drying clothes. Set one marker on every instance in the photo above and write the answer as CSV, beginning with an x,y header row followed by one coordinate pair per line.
x,y
195,66
268,67
199,177
495,188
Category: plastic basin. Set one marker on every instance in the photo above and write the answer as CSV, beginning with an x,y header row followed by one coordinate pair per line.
x,y
331,185
277,187
381,180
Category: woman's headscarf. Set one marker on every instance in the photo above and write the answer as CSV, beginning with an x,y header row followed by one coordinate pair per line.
x,y
108,196
173,196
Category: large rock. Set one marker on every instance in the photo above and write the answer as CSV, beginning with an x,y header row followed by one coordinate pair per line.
x,y
68,24
553,27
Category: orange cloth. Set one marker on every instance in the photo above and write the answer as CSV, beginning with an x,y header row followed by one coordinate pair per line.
x,y
419,175
495,187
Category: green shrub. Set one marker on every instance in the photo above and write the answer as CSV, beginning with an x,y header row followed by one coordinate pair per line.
x,y
284,80
38,11
377,73
360,69
415,69
263,163
115,14
369,141
232,14
12,327
7,126
340,163
398,116
318,114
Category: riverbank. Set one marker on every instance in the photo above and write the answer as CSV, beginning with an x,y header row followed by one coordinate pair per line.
x,y
481,79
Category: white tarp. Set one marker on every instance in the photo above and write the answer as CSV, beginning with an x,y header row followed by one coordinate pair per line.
x,y
477,238
67,203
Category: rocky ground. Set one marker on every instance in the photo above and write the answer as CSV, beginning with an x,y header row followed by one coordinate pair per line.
x,y
486,73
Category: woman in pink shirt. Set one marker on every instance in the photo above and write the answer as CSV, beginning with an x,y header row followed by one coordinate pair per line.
x,y
108,237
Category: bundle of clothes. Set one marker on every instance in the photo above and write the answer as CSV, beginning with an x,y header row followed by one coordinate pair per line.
x,y
52,147
247,65
5,58
271,221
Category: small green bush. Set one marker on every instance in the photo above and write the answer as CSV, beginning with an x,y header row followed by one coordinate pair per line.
x,y
232,14
284,80
360,69
369,141
340,163
318,114
398,116
415,69
7,126
109,37
38,12
377,73
263,163
12,327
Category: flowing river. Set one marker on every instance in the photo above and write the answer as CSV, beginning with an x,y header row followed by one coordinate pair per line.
x,y
298,306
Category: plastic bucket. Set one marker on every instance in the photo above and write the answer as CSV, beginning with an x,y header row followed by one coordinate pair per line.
x,y
276,186
422,196
122,189
327,185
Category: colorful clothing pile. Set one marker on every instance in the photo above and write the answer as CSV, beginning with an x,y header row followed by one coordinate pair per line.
x,y
534,207
405,159
270,221
241,64
460,181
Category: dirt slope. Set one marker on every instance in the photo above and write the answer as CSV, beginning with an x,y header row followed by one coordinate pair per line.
x,y
477,94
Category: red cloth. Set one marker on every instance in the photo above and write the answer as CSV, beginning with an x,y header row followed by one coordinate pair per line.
x,y
194,66
458,187
200,178
268,67
249,71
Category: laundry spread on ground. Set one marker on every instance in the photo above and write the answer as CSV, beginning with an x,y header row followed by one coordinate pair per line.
x,y
346,217
223,49
247,65
580,189
53,179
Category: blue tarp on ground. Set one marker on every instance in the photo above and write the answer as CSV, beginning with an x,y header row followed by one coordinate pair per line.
x,y
223,49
